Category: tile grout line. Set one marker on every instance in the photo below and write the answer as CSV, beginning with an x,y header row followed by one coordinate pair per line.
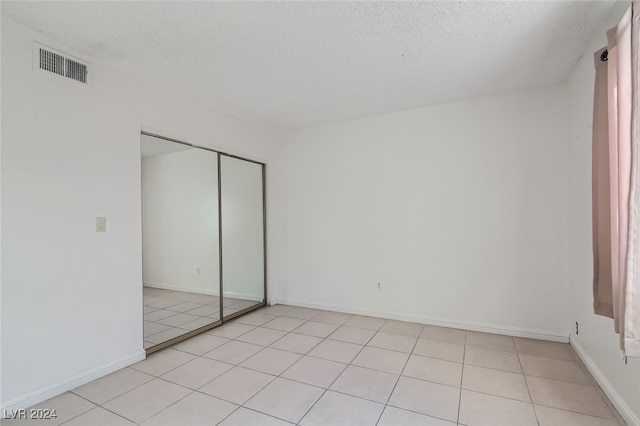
x,y
323,339
464,353
267,384
337,377
386,404
526,383
347,365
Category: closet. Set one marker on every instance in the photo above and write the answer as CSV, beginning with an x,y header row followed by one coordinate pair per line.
x,y
203,239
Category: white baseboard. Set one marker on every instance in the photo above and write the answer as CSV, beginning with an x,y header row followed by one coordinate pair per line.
x,y
625,411
65,385
553,336
196,290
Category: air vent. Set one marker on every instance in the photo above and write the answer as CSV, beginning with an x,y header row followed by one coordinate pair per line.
x,y
50,60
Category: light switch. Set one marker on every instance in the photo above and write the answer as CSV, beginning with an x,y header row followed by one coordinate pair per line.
x,y
101,224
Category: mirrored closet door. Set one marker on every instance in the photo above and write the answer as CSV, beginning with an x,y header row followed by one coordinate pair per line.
x,y
242,229
190,197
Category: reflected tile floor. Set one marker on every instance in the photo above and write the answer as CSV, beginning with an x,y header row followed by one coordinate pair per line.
x,y
169,314
284,365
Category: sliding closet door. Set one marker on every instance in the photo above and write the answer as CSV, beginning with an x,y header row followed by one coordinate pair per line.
x,y
242,230
180,250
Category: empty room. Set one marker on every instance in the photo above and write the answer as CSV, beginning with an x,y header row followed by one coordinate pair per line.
x,y
367,213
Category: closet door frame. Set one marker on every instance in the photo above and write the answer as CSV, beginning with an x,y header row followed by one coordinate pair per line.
x,y
222,319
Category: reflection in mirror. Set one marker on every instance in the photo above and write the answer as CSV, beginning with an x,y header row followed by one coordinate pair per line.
x,y
242,234
180,249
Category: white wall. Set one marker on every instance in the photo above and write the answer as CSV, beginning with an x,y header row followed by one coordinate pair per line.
x,y
180,221
71,298
597,339
460,210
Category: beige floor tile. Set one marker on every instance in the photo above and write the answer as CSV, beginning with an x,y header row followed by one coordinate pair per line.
x,y
177,320
231,330
197,373
434,370
400,327
556,369
477,409
163,303
284,323
147,400
443,334
359,336
200,344
397,417
163,361
369,323
336,351
159,314
185,306
166,335
543,348
495,382
151,328
568,396
394,342
205,310
298,343
271,361
338,409
548,416
99,417
196,409
314,371
246,417
229,311
428,398
115,384
196,324
244,304
237,385
381,359
285,399
277,309
255,318
65,407
329,317
316,329
497,342
365,383
427,393
441,350
228,301
233,352
302,313
261,336
499,360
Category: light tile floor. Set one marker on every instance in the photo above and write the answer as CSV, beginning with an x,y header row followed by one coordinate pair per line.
x,y
169,314
283,365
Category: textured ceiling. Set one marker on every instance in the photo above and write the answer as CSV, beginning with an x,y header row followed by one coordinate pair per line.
x,y
298,64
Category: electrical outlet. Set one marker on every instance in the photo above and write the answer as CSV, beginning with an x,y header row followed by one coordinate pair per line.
x,y
101,224
379,287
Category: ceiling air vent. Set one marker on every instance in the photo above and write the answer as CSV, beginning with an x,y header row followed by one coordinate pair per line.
x,y
50,60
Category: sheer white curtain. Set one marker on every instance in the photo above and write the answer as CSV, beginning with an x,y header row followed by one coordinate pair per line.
x,y
616,181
